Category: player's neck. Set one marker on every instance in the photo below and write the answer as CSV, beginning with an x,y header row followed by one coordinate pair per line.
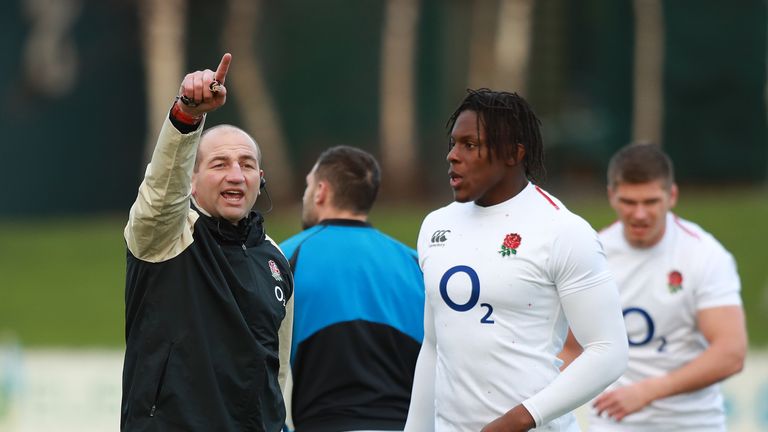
x,y
509,188
335,213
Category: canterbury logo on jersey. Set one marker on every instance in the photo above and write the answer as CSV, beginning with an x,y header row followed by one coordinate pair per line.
x,y
439,237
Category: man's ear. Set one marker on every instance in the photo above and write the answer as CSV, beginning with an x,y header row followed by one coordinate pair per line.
x,y
322,193
673,193
611,192
194,184
517,155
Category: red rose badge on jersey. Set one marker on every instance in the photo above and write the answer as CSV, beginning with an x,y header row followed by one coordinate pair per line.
x,y
675,282
510,244
275,271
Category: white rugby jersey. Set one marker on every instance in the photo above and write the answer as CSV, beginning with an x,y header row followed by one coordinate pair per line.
x,y
499,282
662,288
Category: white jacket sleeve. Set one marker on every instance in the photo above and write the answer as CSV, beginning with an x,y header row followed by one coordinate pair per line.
x,y
421,413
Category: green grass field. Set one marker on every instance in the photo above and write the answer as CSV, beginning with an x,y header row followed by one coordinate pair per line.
x,y
61,281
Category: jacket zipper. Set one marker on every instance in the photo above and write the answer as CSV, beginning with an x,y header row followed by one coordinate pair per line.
x,y
161,381
245,250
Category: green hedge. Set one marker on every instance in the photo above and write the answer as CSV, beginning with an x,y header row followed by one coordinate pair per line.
x,y
62,280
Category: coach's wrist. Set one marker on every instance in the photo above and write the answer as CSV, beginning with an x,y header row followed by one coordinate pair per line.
x,y
180,115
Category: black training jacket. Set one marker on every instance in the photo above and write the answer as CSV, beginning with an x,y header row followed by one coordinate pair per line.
x,y
205,312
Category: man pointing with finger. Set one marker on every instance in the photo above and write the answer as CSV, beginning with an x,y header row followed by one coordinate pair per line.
x,y
208,295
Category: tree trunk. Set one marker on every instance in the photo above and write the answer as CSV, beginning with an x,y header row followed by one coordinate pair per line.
x,y
163,25
648,110
397,122
482,58
248,91
513,45
500,44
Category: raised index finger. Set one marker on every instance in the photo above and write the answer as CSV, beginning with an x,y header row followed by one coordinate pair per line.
x,y
221,71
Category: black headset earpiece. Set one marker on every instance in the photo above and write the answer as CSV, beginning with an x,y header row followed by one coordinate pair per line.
x,y
263,185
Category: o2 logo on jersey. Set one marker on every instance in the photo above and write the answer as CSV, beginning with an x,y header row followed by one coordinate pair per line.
x,y
474,295
279,294
632,312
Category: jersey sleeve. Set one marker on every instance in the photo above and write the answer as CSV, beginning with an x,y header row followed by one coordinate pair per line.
x,y
422,242
421,412
578,259
288,247
285,335
720,284
590,301
595,318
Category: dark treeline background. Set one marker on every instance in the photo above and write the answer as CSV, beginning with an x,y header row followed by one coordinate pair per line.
x,y
74,113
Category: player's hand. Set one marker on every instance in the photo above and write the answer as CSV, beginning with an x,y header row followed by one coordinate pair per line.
x,y
203,91
518,419
624,401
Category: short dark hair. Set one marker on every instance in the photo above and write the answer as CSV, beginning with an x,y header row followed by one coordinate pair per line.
x,y
640,163
353,174
225,127
508,120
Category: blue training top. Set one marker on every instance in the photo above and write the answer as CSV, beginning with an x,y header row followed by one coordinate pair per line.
x,y
358,326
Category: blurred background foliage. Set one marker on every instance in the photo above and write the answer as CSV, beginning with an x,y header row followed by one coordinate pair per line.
x,y
88,82
63,279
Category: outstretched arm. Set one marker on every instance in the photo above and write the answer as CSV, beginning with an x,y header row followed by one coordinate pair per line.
x,y
723,327
156,225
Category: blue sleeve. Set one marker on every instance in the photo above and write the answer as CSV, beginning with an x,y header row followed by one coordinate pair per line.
x,y
289,245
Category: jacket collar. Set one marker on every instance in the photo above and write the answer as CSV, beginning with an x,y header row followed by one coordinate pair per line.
x,y
248,231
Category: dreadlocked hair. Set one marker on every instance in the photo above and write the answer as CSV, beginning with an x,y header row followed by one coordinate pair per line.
x,y
508,120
